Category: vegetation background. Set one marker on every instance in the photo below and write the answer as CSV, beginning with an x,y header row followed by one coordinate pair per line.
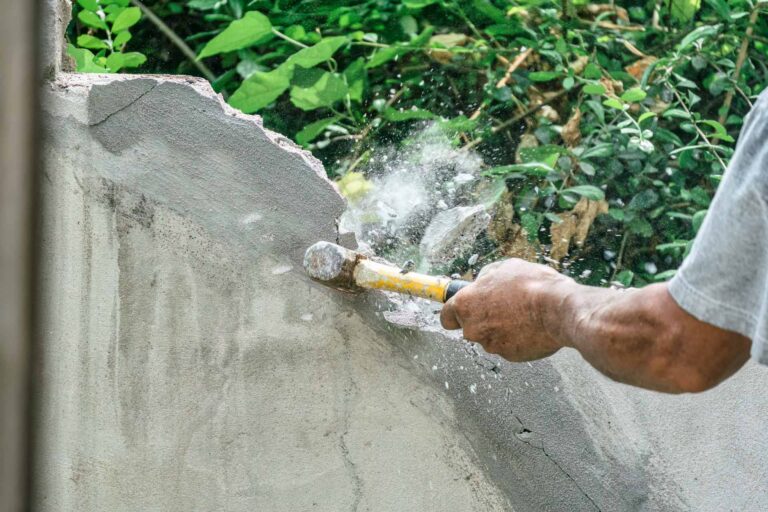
x,y
604,127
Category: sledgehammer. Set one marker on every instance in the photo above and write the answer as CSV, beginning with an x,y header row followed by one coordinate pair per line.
x,y
348,270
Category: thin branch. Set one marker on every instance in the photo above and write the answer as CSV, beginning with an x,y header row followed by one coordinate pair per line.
x,y
612,26
176,40
712,147
740,61
620,256
512,67
516,119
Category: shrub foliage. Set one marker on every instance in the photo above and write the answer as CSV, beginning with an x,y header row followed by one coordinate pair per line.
x,y
606,127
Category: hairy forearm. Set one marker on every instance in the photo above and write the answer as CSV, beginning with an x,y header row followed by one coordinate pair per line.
x,y
640,337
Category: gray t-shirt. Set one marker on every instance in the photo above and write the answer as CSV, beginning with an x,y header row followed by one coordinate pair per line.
x,y
724,280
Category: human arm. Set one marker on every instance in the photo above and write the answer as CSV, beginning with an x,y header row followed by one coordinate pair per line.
x,y
525,311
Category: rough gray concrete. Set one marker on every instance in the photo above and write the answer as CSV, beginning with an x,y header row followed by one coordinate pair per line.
x,y
189,364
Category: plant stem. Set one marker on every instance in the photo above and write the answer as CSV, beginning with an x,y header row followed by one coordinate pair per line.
x,y
516,119
740,61
712,147
289,39
620,256
177,41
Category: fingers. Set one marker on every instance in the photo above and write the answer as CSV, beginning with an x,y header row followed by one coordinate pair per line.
x,y
448,316
489,268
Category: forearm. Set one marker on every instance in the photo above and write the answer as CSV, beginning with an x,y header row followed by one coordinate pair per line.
x,y
639,337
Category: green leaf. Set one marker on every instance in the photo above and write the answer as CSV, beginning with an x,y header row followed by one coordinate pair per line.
x,y
533,169
315,89
698,219
644,200
126,19
601,150
313,130
317,54
644,116
355,75
122,38
531,222
671,246
543,76
634,95
547,155
115,62
384,55
597,89
239,34
205,5
592,72
676,113
588,191
489,10
587,168
617,214
614,103
91,19
664,276
260,89
640,226
391,114
89,5
133,59
625,277
456,125
683,10
555,219
720,131
418,4
697,34
84,60
90,42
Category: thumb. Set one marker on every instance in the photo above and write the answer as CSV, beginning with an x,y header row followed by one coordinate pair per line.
x,y
448,317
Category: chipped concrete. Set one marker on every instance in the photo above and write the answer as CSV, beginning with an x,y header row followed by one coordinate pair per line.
x,y
189,364
180,370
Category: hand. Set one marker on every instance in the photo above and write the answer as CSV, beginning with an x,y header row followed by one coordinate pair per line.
x,y
502,310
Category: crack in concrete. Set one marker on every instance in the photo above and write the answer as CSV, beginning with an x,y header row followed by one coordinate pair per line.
x,y
349,390
548,456
139,97
352,469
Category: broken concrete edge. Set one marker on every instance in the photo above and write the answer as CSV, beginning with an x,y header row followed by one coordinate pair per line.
x,y
146,83
58,68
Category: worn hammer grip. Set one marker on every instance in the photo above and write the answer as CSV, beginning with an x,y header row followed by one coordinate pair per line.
x,y
453,288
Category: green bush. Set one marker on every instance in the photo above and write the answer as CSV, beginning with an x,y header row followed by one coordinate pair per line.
x,y
612,120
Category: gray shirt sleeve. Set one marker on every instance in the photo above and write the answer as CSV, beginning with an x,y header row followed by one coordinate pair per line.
x,y
724,279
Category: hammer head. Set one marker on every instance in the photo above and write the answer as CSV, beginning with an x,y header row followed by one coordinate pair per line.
x,y
332,265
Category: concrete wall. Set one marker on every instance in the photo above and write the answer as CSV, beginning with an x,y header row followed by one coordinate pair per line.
x,y
190,365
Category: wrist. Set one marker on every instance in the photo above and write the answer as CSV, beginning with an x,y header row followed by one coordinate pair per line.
x,y
555,308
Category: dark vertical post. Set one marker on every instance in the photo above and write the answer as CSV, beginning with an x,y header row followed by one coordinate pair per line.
x,y
18,123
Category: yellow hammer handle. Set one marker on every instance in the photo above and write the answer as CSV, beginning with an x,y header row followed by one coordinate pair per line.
x,y
377,276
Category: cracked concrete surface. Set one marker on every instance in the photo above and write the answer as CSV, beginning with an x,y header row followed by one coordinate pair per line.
x,y
190,365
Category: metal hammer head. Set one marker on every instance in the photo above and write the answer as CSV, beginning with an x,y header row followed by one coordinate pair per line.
x,y
332,265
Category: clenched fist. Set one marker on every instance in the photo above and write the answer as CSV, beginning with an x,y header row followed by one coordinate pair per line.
x,y
504,310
